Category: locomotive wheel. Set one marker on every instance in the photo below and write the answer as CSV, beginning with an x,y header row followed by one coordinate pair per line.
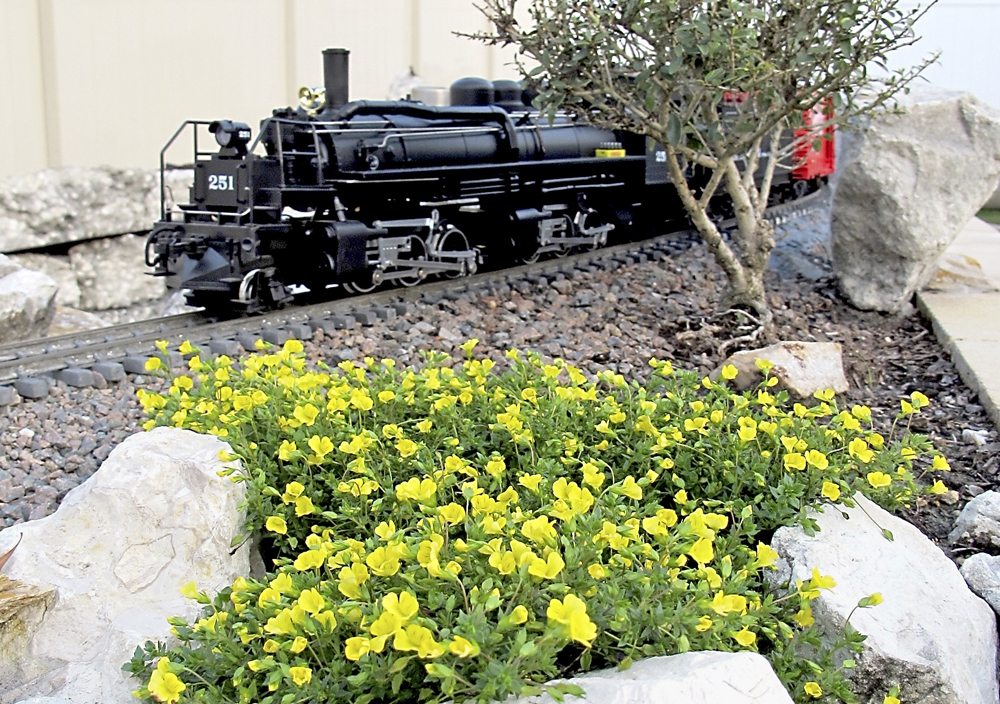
x,y
418,252
361,283
454,240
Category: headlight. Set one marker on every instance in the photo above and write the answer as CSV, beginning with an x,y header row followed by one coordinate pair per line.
x,y
232,135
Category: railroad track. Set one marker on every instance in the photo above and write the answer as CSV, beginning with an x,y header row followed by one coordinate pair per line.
x,y
112,352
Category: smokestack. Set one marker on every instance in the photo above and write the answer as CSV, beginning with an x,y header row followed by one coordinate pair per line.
x,y
335,77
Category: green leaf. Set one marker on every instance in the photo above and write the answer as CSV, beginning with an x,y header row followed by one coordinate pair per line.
x,y
625,664
887,534
674,129
528,649
400,664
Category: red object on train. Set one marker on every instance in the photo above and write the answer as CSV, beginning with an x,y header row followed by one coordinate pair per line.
x,y
814,161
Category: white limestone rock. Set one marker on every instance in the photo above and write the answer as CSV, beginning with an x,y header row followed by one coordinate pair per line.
x,y
61,271
982,574
71,320
801,367
7,265
907,184
979,523
932,635
73,204
117,551
111,273
705,677
27,304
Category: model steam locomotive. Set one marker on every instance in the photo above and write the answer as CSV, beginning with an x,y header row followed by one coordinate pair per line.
x,y
365,193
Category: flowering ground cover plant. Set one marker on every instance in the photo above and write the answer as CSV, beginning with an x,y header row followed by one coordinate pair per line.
x,y
458,534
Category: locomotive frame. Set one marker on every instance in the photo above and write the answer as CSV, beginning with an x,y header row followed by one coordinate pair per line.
x,y
368,193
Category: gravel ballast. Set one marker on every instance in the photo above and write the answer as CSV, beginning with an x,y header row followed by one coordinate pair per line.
x,y
615,317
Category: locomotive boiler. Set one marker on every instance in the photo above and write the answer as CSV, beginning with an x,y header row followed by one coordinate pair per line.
x,y
368,193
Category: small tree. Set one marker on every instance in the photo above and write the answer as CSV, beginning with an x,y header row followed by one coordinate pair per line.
x,y
668,69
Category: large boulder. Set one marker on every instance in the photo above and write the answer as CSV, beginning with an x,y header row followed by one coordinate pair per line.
x,y
931,635
154,517
27,304
111,273
74,203
907,184
706,677
801,367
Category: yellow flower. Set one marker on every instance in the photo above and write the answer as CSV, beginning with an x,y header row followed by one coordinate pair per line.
x,y
164,685
309,560
814,690
271,646
453,513
406,447
804,617
383,562
597,571
306,414
519,615
591,476
572,613
859,448
469,345
276,524
463,648
831,491
547,569
729,372
496,466
702,551
530,481
304,506
416,489
298,645
427,554
153,363
879,479
312,601
819,581
938,488
630,489
300,675
940,463
745,637
817,459
286,450
681,497
723,603
918,400
386,396
403,605
419,639
889,699
875,599
281,624
351,579
356,648
747,433
766,556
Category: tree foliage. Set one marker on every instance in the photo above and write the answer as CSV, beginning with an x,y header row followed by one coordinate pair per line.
x,y
670,70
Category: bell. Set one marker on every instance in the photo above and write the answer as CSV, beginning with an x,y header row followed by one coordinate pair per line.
x,y
312,99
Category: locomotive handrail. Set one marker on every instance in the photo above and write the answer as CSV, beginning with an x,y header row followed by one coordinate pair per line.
x,y
163,154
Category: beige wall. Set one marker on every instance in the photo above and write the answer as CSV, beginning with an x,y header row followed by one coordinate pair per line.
x,y
92,82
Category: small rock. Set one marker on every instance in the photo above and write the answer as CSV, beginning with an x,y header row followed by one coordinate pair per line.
x,y
975,437
979,522
801,367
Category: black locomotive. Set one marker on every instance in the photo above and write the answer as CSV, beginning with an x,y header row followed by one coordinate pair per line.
x,y
365,193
